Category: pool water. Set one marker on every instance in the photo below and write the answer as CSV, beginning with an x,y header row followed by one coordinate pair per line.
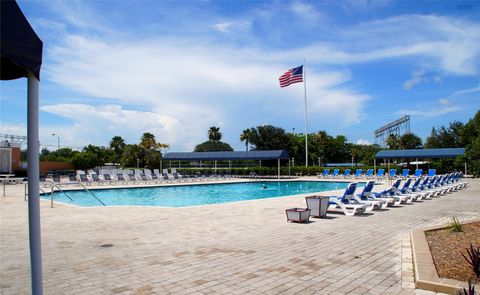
x,y
194,195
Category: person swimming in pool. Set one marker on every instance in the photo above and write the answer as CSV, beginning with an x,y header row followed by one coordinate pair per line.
x,y
264,186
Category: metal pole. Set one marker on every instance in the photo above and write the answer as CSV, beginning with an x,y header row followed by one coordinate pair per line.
x,y
305,92
161,159
58,140
288,168
417,163
374,166
278,168
465,169
33,185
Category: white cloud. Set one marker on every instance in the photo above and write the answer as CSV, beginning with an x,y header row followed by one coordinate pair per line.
x,y
202,90
231,26
363,141
420,76
184,83
443,101
431,111
13,129
305,11
416,78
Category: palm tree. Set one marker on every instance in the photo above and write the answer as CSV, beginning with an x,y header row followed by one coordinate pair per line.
x,y
246,136
147,141
117,144
214,134
410,141
393,142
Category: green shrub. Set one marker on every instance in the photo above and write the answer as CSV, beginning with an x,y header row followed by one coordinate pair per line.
x,y
455,225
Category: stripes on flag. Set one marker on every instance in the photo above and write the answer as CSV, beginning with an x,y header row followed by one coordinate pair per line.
x,y
291,76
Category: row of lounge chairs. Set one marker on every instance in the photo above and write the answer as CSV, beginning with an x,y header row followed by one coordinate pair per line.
x,y
360,173
137,176
422,188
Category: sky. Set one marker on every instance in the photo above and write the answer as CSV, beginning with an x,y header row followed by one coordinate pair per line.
x,y
175,68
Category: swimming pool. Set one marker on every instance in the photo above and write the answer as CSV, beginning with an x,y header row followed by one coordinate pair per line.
x,y
194,195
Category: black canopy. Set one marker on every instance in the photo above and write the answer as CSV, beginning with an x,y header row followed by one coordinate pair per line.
x,y
20,47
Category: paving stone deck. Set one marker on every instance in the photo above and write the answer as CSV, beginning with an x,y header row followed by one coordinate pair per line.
x,y
236,248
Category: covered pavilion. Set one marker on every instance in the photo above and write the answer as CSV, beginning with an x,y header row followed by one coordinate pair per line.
x,y
230,156
418,154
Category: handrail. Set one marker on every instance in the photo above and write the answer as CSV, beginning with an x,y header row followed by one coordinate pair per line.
x,y
254,176
55,185
25,191
93,195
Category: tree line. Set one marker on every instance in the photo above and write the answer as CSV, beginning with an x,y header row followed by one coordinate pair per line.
x,y
322,147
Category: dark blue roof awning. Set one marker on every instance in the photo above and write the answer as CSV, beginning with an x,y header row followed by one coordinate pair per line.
x,y
420,153
209,156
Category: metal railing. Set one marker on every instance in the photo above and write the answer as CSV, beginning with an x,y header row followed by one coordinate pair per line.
x,y
54,185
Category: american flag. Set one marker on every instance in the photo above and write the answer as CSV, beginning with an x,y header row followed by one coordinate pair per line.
x,y
291,76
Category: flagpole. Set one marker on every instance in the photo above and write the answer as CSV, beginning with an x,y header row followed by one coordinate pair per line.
x,y
305,92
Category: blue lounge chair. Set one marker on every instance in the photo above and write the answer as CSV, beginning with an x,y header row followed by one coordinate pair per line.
x,y
432,172
346,173
325,173
347,203
393,173
369,173
418,172
392,192
380,173
405,173
406,191
335,172
365,197
358,173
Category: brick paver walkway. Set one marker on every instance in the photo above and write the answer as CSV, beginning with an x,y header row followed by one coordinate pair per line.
x,y
237,248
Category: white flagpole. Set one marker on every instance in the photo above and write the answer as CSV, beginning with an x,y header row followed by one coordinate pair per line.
x,y
305,92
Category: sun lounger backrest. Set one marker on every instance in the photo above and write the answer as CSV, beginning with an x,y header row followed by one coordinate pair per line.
x,y
406,184
405,172
393,172
347,171
350,191
326,172
335,172
418,172
380,172
432,172
367,190
358,172
369,172
416,183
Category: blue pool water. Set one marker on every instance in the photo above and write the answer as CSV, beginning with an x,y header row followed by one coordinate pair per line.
x,y
193,195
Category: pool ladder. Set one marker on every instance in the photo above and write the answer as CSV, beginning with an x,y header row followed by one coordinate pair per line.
x,y
254,176
54,185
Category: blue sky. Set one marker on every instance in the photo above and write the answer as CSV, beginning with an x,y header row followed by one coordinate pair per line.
x,y
175,68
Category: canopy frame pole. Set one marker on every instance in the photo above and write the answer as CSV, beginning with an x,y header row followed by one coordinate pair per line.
x,y
34,228
374,166
289,168
465,168
215,169
417,163
278,162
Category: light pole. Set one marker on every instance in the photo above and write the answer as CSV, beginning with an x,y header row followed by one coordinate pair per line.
x,y
58,140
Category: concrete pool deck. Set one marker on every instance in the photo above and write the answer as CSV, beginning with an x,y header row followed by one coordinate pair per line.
x,y
235,248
